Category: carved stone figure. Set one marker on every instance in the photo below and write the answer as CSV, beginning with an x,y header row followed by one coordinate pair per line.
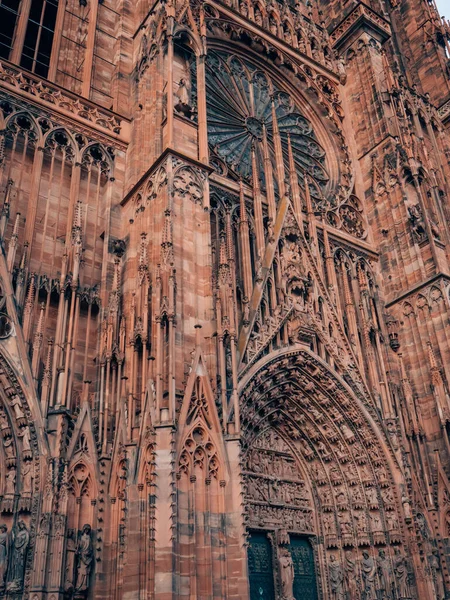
x,y
384,574
436,573
26,439
372,497
3,555
369,572
8,446
70,560
85,557
20,543
351,578
336,578
376,524
422,526
16,403
3,421
10,482
182,100
329,526
27,477
406,506
392,431
401,576
286,573
392,521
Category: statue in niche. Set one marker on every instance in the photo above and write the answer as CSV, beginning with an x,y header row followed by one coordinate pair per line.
x,y
436,574
19,549
3,421
85,557
406,506
286,573
336,578
16,403
351,576
273,26
422,526
70,560
8,446
26,439
287,36
10,483
369,572
418,224
392,432
183,99
27,477
143,47
384,574
3,556
401,576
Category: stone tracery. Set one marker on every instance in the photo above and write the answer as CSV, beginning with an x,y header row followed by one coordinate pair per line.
x,y
244,107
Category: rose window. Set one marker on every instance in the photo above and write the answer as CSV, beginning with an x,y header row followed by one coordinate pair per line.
x,y
239,105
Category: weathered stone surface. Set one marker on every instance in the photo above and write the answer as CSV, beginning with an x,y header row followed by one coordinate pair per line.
x,y
224,301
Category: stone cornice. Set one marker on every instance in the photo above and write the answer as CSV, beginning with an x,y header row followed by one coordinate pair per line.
x,y
417,288
57,100
362,18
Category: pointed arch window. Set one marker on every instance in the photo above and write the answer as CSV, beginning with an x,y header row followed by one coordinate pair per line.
x,y
9,12
39,35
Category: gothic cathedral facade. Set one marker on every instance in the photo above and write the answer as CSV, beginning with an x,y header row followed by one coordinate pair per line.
x,y
224,300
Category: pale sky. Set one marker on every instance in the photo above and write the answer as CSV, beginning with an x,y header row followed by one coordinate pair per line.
x,y
444,7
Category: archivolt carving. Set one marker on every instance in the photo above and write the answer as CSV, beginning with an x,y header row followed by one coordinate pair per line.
x,y
275,490
335,442
296,415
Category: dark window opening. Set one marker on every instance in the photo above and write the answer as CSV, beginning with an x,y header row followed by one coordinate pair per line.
x,y
39,36
9,11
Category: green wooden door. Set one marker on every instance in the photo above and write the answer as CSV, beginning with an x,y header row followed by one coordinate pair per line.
x,y
305,585
260,567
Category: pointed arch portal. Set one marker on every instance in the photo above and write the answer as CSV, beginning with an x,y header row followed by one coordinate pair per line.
x,y
319,482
